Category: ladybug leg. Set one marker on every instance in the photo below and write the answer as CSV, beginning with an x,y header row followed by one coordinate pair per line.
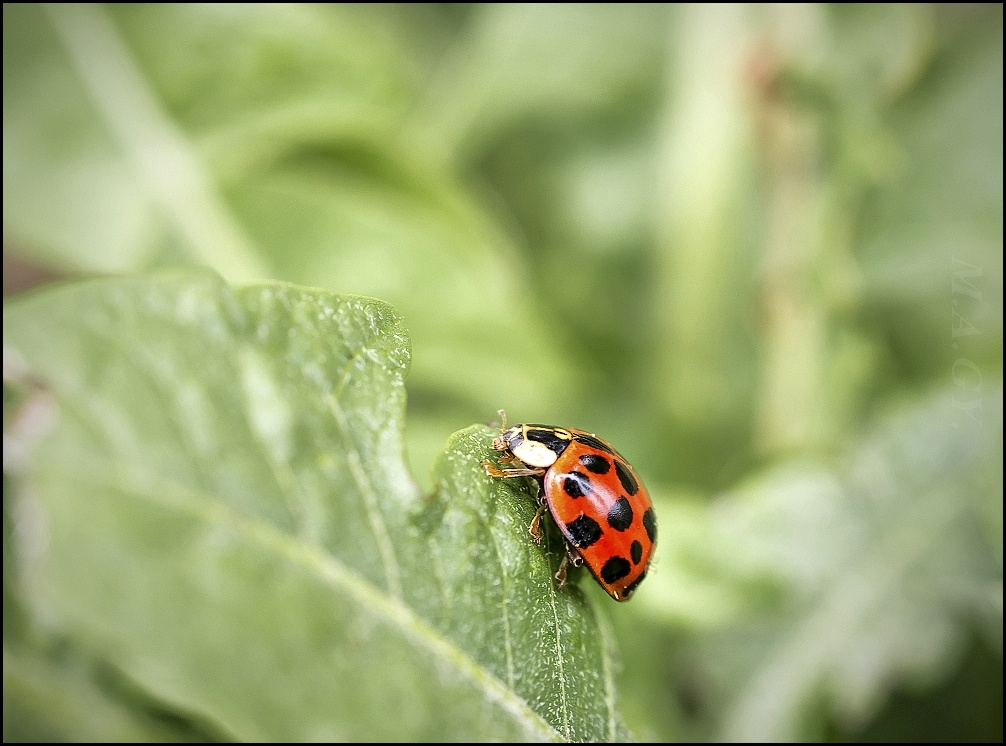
x,y
494,471
574,559
502,415
535,528
560,574
571,558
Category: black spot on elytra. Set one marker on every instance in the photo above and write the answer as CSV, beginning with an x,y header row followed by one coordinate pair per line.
x,y
636,552
595,464
614,569
620,514
576,484
583,531
631,587
650,524
590,440
548,438
625,477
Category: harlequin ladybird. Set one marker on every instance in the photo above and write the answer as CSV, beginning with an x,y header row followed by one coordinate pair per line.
x,y
595,497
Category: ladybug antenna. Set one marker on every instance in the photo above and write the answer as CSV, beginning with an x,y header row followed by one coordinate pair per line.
x,y
495,423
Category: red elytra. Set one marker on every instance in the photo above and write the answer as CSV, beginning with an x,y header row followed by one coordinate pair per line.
x,y
595,497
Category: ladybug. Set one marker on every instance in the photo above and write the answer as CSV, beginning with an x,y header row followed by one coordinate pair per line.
x,y
595,497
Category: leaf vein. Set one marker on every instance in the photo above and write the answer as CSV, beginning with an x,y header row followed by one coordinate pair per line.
x,y
563,705
504,604
607,666
385,547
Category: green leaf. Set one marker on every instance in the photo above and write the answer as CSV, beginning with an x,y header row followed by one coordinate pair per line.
x,y
223,514
47,700
109,114
878,567
529,59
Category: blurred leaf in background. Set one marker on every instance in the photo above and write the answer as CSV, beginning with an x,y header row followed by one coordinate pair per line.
x,y
757,248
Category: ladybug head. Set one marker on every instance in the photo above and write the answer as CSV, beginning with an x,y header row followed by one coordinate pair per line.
x,y
535,445
511,438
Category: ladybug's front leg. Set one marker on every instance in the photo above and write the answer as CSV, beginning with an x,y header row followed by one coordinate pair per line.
x,y
494,471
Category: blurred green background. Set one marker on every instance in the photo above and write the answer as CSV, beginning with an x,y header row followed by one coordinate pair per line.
x,y
759,249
